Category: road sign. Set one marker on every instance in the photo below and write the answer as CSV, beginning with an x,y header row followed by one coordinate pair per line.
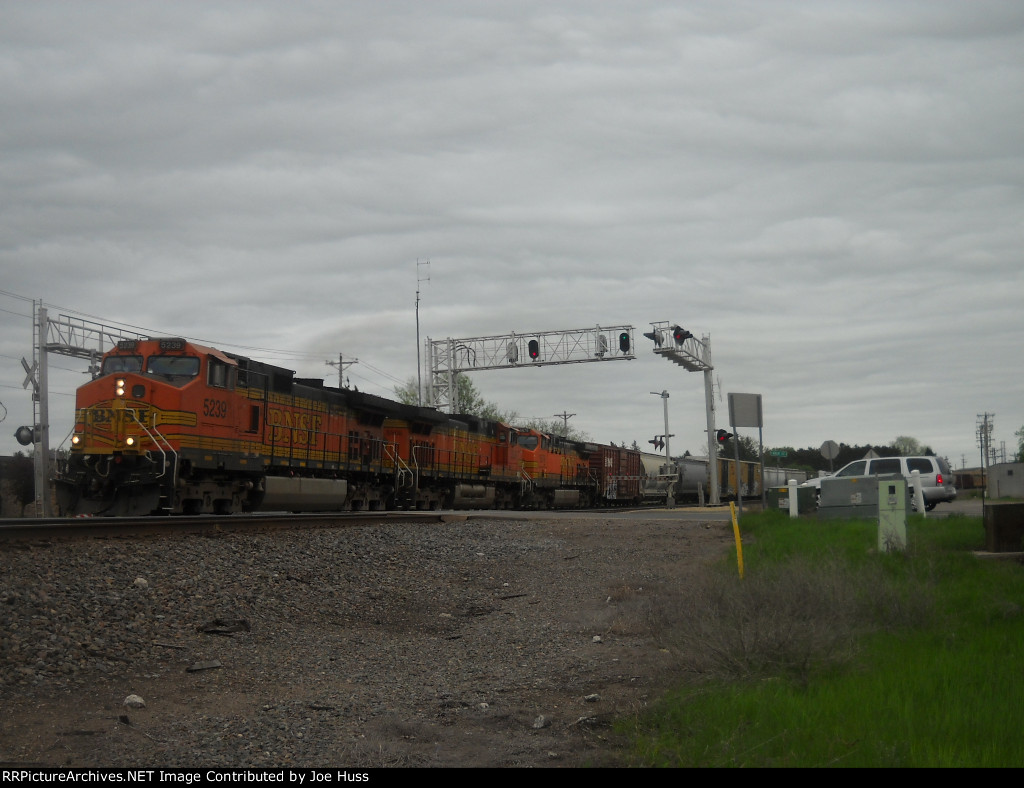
x,y
778,453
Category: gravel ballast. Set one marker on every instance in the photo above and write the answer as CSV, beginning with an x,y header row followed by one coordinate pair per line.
x,y
477,642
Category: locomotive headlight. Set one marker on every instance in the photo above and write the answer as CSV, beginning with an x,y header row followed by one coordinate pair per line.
x,y
76,439
120,387
129,441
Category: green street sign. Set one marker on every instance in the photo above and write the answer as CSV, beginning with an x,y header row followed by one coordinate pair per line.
x,y
778,453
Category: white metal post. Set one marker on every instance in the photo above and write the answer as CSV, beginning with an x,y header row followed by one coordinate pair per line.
x,y
664,399
709,403
42,426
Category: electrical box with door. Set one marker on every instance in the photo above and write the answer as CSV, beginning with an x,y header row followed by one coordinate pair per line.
x,y
893,504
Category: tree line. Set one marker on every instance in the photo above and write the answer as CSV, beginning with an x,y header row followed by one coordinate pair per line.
x,y
809,459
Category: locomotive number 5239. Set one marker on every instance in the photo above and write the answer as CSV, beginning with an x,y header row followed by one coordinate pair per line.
x,y
215,408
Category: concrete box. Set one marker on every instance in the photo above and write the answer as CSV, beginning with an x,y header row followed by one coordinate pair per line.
x,y
1004,527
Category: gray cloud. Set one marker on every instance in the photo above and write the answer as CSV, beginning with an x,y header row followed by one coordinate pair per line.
x,y
831,191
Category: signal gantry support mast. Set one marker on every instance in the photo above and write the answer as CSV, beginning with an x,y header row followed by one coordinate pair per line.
x,y
694,355
448,357
65,336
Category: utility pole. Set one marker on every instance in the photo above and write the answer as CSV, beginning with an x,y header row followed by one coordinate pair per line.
x,y
565,421
340,364
984,443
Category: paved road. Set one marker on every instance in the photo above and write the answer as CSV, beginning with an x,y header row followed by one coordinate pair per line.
x,y
970,507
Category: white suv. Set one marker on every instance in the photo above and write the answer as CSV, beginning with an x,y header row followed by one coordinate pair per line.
x,y
936,478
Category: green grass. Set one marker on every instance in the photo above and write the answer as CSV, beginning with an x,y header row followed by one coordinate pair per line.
x,y
830,653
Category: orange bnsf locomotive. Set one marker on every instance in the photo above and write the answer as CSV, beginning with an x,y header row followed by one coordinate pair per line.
x,y
172,427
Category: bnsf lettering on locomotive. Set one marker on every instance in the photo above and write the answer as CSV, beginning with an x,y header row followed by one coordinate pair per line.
x,y
294,421
104,417
97,416
296,437
215,408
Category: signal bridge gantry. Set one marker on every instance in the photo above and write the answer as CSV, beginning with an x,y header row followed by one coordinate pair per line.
x,y
448,357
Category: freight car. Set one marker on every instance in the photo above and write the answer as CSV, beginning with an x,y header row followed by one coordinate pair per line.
x,y
688,478
172,427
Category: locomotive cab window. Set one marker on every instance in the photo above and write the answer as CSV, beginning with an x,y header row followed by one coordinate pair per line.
x,y
186,367
113,364
220,375
529,442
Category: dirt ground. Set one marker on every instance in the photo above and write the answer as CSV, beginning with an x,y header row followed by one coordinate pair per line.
x,y
482,643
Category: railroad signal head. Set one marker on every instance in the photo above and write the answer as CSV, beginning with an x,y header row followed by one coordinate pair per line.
x,y
624,341
680,334
25,435
534,348
723,436
655,336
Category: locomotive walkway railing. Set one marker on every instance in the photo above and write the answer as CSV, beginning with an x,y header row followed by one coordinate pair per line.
x,y
404,476
156,437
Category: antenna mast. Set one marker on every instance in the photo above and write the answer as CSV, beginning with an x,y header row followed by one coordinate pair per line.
x,y
419,365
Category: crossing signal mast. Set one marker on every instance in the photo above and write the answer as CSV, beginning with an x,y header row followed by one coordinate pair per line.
x,y
681,347
448,357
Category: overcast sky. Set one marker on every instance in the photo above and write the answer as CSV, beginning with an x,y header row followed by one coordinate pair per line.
x,y
832,192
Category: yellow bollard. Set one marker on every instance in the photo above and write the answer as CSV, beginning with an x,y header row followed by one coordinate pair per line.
x,y
736,533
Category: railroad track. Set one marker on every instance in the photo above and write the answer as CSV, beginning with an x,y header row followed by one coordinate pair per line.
x,y
15,529
77,527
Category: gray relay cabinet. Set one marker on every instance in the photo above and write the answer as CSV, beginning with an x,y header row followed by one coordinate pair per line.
x,y
855,496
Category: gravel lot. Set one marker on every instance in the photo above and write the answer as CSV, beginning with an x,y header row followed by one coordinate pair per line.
x,y
478,642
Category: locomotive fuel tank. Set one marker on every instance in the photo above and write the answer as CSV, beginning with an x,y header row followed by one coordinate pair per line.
x,y
299,494
473,496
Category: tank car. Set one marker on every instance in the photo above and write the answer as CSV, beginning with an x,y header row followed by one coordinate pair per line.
x,y
688,478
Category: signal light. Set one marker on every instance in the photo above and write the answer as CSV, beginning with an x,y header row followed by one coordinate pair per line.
x,y
25,435
624,341
723,436
680,334
534,348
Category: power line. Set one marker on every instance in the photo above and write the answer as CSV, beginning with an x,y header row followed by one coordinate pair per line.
x,y
280,355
